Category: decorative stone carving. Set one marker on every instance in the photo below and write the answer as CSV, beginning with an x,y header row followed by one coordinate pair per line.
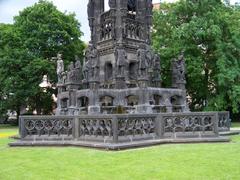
x,y
85,70
60,68
178,72
121,60
93,58
70,73
118,61
142,61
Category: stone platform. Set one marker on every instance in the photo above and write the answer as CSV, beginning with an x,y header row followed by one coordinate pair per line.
x,y
115,132
118,146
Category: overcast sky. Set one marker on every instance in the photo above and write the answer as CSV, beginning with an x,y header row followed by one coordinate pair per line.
x,y
10,8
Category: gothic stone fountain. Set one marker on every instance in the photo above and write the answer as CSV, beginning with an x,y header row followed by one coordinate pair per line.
x,y
114,100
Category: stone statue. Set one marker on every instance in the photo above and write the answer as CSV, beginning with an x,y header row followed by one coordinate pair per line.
x,y
178,72
121,60
149,56
142,61
93,60
181,68
85,70
77,63
60,68
70,73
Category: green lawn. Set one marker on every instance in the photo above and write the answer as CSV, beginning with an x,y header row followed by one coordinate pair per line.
x,y
179,161
235,124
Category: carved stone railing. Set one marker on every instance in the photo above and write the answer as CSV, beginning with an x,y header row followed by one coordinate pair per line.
x,y
46,127
224,122
123,128
189,125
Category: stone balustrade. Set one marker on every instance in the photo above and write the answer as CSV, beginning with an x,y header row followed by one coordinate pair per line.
x,y
123,128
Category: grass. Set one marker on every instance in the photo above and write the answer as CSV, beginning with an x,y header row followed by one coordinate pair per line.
x,y
177,161
235,124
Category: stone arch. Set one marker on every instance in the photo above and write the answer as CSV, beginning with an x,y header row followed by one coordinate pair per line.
x,y
157,99
132,100
106,100
82,101
108,69
177,102
64,103
132,70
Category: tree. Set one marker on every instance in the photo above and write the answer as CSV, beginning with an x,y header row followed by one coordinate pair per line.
x,y
26,50
208,33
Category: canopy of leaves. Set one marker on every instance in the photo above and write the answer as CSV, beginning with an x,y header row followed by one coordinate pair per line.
x,y
208,32
26,50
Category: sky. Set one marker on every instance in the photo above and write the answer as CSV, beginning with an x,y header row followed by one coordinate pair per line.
x,y
10,8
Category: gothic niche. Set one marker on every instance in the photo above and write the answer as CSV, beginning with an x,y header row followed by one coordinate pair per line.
x,y
132,6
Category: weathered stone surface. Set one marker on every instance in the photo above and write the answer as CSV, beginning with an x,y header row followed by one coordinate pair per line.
x,y
115,99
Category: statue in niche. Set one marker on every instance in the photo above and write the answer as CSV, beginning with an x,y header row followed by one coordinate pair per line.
x,y
121,60
85,69
131,5
142,61
94,63
78,68
112,4
178,71
149,56
70,73
60,68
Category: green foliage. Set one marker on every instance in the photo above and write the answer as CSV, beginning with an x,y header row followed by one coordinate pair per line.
x,y
26,50
208,32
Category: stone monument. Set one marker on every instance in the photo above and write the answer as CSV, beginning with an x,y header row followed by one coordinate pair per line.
x,y
114,100
120,65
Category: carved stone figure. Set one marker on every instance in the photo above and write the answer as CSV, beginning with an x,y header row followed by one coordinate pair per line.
x,y
178,72
142,61
60,68
77,63
93,60
121,59
70,73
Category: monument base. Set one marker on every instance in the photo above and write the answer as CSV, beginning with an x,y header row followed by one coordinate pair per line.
x,y
119,146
